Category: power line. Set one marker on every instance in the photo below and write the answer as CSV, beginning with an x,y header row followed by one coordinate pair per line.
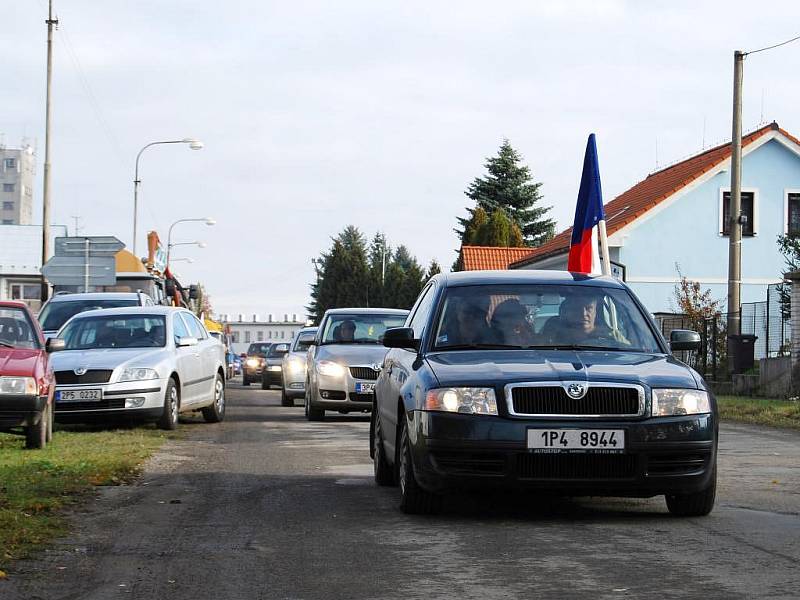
x,y
794,39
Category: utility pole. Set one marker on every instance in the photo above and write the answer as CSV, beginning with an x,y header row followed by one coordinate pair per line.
x,y
51,23
735,238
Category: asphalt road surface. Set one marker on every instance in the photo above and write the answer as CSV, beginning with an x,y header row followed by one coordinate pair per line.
x,y
267,505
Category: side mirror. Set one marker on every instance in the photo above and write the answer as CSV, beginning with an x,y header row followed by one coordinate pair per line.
x,y
400,337
55,345
186,341
684,339
169,288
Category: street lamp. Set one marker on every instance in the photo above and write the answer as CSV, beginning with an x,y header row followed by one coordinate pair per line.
x,y
210,221
193,144
185,259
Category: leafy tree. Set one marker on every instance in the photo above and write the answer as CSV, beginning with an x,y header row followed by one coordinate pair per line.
x,y
703,314
789,246
509,185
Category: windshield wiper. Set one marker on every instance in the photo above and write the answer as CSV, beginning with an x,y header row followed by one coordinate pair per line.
x,y
479,347
7,345
577,347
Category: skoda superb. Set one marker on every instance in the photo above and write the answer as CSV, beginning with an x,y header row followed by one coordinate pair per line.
x,y
541,380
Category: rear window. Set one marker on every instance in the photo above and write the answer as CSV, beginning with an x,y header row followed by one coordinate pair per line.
x,y
55,314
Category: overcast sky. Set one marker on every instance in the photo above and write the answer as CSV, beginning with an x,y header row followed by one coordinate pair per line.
x,y
316,115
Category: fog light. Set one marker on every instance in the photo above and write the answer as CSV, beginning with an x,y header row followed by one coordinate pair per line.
x,y
324,394
134,402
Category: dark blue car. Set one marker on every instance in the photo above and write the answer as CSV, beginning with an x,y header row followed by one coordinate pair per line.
x,y
543,380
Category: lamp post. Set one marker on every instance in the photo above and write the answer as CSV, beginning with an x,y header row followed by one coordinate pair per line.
x,y
193,144
207,220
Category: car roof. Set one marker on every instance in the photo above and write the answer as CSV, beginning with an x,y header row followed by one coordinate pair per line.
x,y
13,304
133,310
520,276
366,311
96,296
307,330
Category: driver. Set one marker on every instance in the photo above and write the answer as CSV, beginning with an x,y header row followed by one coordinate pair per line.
x,y
579,322
347,331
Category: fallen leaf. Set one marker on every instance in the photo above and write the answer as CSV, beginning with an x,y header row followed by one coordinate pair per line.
x,y
3,575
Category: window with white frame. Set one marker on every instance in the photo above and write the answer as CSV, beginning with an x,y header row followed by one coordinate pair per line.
x,y
749,213
11,163
25,291
792,216
246,337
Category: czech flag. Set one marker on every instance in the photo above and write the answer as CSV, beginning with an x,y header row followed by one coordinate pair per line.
x,y
583,253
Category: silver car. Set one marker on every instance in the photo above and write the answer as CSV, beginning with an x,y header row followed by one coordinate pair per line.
x,y
294,366
150,362
345,359
63,306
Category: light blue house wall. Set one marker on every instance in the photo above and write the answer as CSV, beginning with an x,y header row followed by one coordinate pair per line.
x,y
686,231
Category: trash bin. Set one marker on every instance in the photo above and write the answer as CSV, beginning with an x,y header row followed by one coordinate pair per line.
x,y
743,349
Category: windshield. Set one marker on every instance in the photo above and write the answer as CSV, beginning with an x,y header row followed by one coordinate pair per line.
x,y
16,330
55,314
115,331
278,350
258,349
303,341
542,316
359,329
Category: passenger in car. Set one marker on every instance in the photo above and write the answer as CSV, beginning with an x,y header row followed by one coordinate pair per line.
x,y
510,324
466,324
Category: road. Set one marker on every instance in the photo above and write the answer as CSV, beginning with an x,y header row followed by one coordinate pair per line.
x,y
267,505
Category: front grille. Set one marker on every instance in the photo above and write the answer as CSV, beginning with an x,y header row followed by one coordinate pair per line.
x,y
354,397
553,400
93,376
576,466
675,464
364,373
97,405
464,463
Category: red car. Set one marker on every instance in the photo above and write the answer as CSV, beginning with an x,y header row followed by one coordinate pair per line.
x,y
26,377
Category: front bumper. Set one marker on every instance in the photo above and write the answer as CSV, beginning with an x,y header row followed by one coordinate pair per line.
x,y
20,411
670,455
273,377
143,398
339,393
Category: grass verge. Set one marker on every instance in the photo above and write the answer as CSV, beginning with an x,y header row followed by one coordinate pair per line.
x,y
36,484
760,411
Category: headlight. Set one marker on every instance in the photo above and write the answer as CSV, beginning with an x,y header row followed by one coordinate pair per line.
x,y
474,401
137,374
23,386
330,368
252,362
670,402
295,365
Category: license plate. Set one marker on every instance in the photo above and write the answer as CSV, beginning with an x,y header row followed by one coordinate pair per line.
x,y
364,388
603,441
79,395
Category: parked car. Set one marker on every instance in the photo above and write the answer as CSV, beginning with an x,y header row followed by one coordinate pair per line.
x,y
477,393
63,306
294,366
272,374
237,364
148,363
345,359
26,376
254,362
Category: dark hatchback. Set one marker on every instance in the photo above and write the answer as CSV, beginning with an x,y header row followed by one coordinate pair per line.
x,y
541,380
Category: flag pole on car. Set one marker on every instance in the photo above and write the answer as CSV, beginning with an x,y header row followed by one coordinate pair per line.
x,y
583,250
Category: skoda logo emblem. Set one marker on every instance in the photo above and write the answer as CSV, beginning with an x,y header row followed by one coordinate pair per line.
x,y
576,390
80,370
376,366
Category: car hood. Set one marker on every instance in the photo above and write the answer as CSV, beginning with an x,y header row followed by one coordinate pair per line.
x,y
353,354
105,358
499,367
20,362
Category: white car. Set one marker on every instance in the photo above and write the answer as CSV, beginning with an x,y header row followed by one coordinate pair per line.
x,y
149,362
63,306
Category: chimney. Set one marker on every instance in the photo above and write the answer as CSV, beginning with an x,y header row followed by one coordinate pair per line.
x,y
241,317
255,318
270,317
294,317
285,318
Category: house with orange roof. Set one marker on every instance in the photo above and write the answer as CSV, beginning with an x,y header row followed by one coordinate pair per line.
x,y
678,217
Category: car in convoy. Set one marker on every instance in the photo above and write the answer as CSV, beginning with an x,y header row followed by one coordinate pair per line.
x,y
63,306
254,362
149,363
345,359
478,392
237,364
294,366
272,373
26,376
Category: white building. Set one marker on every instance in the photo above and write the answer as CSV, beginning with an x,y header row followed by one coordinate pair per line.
x,y
17,169
21,261
245,331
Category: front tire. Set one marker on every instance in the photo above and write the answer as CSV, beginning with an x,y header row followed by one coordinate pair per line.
x,y
413,499
216,412
285,400
169,418
313,414
36,435
384,474
245,380
698,504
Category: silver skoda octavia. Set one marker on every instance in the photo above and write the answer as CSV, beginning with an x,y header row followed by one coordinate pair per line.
x,y
150,362
345,359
